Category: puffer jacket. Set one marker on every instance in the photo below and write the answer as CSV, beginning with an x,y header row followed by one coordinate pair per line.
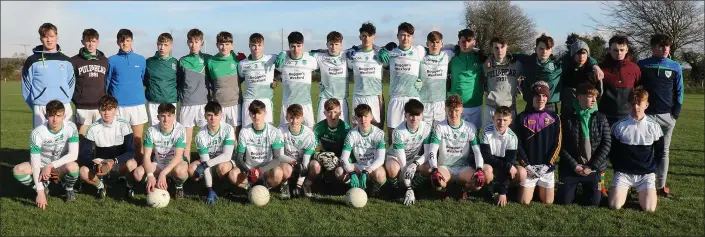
x,y
600,142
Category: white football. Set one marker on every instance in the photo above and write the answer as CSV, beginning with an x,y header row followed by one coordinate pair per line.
x,y
258,195
158,198
356,197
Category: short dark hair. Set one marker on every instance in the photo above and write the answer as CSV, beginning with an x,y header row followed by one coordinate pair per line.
x,y
413,107
213,107
406,27
331,104
434,35
467,33
224,37
368,28
661,40
124,34
362,110
256,38
295,38
165,37
498,39
46,27
454,101
107,102
586,88
334,36
54,107
295,110
545,39
256,106
194,34
166,108
618,39
503,111
89,34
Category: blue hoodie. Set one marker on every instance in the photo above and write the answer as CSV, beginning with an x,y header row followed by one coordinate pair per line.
x,y
124,78
663,79
47,76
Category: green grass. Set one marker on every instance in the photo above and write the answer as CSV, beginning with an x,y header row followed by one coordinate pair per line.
x,y
327,216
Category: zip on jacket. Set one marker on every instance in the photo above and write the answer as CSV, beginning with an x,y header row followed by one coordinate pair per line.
x,y
124,80
47,76
160,79
663,79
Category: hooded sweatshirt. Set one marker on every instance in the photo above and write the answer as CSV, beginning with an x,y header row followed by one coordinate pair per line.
x,y
47,76
192,79
160,79
222,71
90,71
466,77
549,71
501,81
125,74
621,76
574,74
663,79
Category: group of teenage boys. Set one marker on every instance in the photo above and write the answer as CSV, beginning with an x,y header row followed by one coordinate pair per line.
x,y
434,110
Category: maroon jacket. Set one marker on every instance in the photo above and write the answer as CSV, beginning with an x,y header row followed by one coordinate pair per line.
x,y
620,79
90,79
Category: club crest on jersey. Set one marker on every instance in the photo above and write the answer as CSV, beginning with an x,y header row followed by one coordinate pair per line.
x,y
547,121
531,121
550,67
200,60
173,66
232,66
667,73
303,62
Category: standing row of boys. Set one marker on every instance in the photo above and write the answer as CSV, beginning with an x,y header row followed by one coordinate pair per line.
x,y
431,133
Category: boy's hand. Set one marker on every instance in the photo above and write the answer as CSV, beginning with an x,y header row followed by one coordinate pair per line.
x,y
41,200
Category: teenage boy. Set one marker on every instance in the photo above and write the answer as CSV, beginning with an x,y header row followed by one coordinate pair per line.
x,y
257,71
160,77
299,146
622,75
366,63
576,72
502,75
499,145
296,68
334,76
222,72
330,134
434,75
90,67
466,76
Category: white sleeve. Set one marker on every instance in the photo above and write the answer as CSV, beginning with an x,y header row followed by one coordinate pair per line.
x,y
226,156
422,160
379,159
479,162
433,155
71,156
307,159
401,155
345,156
35,161
207,175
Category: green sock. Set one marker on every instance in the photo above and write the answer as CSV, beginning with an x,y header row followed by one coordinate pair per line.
x,y
393,181
25,179
418,181
180,182
70,179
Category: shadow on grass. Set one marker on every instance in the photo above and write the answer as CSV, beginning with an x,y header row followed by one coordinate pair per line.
x,y
688,150
17,111
10,186
686,165
327,201
686,174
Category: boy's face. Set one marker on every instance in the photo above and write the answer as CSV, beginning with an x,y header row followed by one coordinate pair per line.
x,y
434,47
55,120
125,45
580,57
499,50
639,109
453,114
296,48
164,48
166,120
540,101
587,101
334,47
413,120
108,115
404,39
501,123
332,115
256,48
90,44
659,51
294,121
618,51
258,118
365,120
466,44
224,48
367,39
49,40
213,119
194,44
543,51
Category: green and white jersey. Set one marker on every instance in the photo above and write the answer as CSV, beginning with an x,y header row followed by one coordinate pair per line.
x,y
298,145
434,74
50,145
259,75
258,145
165,144
404,71
499,143
212,144
410,141
367,73
364,146
296,79
454,143
334,75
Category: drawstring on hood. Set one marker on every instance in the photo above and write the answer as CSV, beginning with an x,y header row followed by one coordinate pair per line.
x,y
40,49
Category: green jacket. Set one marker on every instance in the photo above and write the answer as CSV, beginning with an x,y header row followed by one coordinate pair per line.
x,y
222,71
160,79
465,70
549,71
193,83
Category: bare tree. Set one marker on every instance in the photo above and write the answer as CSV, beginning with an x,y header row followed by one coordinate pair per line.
x,y
500,18
681,20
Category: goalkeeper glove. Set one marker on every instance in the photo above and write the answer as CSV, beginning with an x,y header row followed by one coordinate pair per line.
x,y
363,179
410,170
280,59
409,197
436,178
384,56
212,196
253,175
351,52
479,177
390,46
200,170
354,181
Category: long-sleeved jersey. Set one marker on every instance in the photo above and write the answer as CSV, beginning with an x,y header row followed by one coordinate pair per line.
x,y
407,144
404,71
334,75
540,136
450,146
663,79
636,145
296,78
368,149
165,144
111,141
367,73
258,75
500,151
434,76
258,146
192,79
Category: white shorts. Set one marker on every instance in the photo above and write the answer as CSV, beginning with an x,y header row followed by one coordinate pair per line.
x,y
434,111
395,111
548,180
246,120
308,115
87,116
488,112
193,115
473,115
135,115
399,162
231,115
152,109
639,182
39,114
373,102
343,110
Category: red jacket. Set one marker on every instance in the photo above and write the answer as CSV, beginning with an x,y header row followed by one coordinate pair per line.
x,y
620,79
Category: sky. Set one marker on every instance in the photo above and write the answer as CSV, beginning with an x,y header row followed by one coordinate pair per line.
x,y
313,18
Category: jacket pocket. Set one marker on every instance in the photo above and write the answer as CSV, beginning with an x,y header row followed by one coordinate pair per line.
x,y
64,91
40,94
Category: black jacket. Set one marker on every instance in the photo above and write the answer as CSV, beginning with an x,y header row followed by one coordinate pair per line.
x,y
600,142
90,79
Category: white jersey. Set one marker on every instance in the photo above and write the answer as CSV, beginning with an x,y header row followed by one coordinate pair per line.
x,y
434,74
334,75
364,146
165,144
258,145
298,145
454,143
367,73
499,143
259,75
411,142
296,79
404,71
109,138
50,145
213,144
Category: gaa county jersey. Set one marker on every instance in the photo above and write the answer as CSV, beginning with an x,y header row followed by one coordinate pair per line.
x,y
434,74
367,73
296,78
331,139
259,75
298,145
108,138
52,145
165,144
364,146
501,82
411,142
499,143
454,143
404,71
334,75
258,145
212,144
